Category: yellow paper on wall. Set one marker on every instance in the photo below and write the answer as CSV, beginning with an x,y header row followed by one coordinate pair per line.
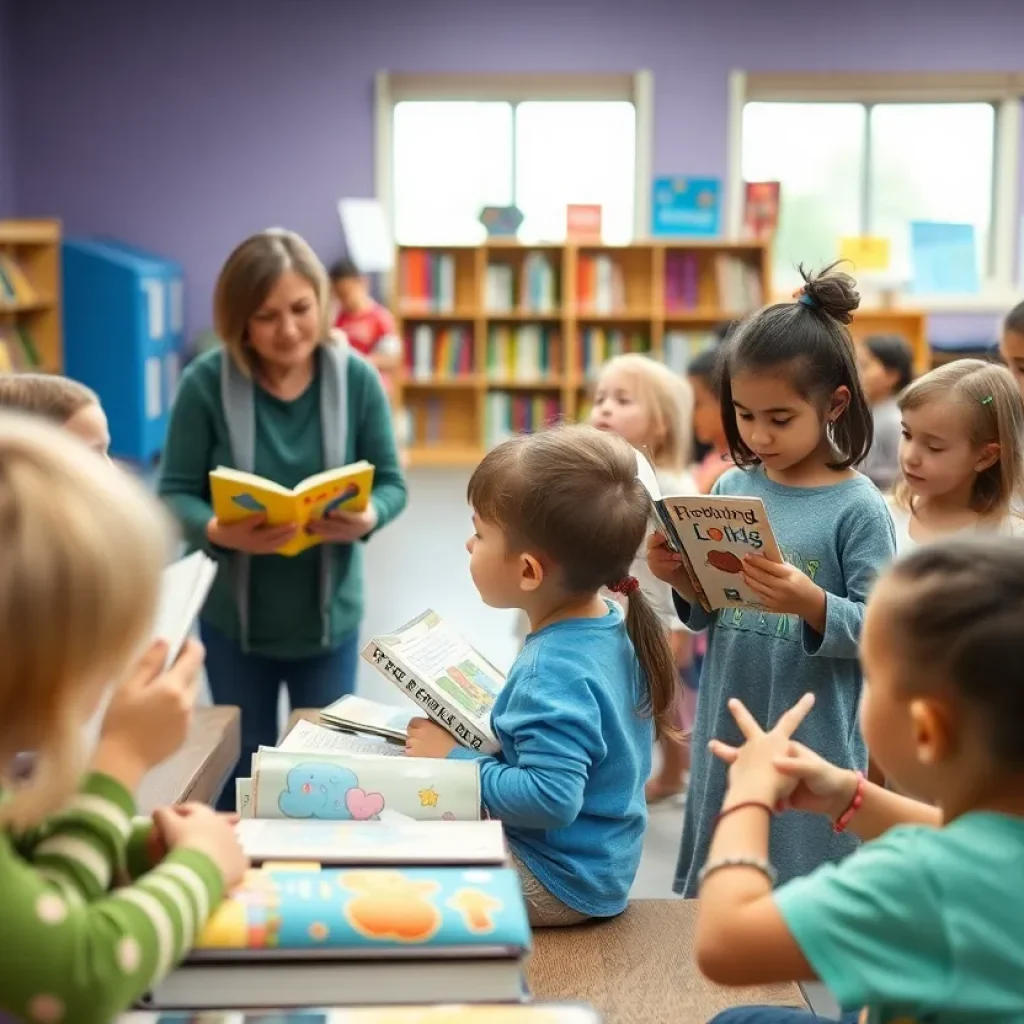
x,y
865,252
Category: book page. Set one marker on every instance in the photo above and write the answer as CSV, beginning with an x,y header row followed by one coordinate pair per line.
x,y
367,715
434,651
183,589
309,737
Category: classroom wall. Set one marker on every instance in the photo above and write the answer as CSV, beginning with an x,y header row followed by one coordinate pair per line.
x,y
7,198
184,126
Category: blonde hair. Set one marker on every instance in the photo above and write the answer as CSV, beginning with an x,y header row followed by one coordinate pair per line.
x,y
247,278
994,408
669,402
84,545
43,394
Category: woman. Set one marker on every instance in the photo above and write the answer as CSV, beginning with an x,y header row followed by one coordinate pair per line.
x,y
283,399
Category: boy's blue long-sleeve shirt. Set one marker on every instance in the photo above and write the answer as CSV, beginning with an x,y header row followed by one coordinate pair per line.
x,y
575,754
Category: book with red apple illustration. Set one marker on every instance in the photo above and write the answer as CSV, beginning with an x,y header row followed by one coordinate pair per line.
x,y
713,533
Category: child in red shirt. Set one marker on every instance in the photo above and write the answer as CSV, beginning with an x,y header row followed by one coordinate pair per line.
x,y
369,327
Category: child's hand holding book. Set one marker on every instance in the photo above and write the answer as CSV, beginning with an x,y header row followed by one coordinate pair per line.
x,y
427,739
668,566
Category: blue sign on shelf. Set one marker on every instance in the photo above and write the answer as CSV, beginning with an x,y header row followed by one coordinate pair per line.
x,y
686,207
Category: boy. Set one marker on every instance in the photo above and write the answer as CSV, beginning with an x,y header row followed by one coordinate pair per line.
x,y
1011,346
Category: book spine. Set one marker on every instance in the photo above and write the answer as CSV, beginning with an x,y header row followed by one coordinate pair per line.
x,y
676,543
425,696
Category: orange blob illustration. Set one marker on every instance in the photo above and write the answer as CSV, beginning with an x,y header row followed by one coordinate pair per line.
x,y
390,906
725,561
477,909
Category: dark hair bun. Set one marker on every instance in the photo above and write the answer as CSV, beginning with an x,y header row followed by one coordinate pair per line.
x,y
831,291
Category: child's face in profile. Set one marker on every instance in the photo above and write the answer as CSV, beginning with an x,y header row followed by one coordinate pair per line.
x,y
878,382
496,576
707,414
89,424
1011,347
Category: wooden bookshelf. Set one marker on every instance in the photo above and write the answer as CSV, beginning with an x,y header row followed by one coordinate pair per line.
x,y
909,324
30,318
504,337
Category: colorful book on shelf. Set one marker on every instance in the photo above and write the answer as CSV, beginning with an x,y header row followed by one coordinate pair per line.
x,y
319,936
442,1013
506,415
679,348
599,344
367,843
341,786
438,353
712,533
600,285
427,281
236,495
308,736
359,714
682,282
739,285
14,283
449,680
528,352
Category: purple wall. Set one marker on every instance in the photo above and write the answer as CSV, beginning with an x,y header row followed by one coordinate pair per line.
x,y
185,126
7,198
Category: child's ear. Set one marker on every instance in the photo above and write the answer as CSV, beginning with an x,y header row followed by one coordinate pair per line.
x,y
987,457
531,572
838,403
933,731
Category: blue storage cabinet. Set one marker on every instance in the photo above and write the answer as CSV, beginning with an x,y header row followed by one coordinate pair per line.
x,y
124,336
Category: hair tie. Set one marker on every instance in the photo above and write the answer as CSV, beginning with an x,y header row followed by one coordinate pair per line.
x,y
987,400
625,586
808,300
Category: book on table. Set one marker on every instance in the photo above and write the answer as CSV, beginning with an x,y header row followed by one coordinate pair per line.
x,y
236,495
361,715
308,736
393,842
447,679
319,936
441,1013
712,533
342,786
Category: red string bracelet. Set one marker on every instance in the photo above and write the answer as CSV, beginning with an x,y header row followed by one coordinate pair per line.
x,y
726,811
625,586
846,817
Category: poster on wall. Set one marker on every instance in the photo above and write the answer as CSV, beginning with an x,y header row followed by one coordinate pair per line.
x,y
686,207
368,238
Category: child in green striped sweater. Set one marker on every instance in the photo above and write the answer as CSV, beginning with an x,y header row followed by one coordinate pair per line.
x,y
83,550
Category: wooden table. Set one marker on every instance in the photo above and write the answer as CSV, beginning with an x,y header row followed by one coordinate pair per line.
x,y
200,768
639,967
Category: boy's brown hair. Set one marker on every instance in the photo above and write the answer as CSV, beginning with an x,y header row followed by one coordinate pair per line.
x,y
47,395
570,495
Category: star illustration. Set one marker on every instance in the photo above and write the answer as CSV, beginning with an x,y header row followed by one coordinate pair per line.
x,y
428,797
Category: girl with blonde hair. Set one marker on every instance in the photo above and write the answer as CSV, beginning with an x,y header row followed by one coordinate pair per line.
x,y
62,400
283,399
645,403
83,550
961,454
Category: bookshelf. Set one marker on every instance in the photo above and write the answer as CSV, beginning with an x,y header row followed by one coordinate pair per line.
x,y
909,324
505,337
30,320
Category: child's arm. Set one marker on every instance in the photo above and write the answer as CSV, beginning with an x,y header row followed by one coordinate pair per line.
x,y
70,950
556,727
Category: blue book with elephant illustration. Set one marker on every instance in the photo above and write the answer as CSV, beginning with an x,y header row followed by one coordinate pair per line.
x,y
369,912
336,786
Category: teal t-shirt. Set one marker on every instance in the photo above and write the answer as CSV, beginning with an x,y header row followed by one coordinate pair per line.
x,y
284,593
922,926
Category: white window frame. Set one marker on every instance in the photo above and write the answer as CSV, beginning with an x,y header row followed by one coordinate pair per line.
x,y
1006,91
636,88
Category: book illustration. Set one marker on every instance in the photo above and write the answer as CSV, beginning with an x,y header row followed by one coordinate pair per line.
x,y
345,495
453,683
339,786
283,909
249,503
390,841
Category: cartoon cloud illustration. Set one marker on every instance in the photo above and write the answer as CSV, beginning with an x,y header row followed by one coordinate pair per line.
x,y
314,790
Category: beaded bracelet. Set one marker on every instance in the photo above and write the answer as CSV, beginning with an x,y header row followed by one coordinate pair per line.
x,y
757,863
846,817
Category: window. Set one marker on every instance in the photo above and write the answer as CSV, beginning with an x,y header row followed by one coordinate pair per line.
x,y
851,169
452,157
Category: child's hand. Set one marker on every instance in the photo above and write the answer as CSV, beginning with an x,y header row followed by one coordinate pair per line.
x,y
668,566
149,715
753,774
783,588
251,535
206,831
821,787
428,740
158,843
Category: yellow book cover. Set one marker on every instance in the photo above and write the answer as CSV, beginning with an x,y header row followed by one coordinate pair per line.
x,y
20,284
236,495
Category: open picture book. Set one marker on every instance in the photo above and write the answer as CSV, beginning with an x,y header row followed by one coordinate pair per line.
x,y
713,533
443,675
359,714
236,495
